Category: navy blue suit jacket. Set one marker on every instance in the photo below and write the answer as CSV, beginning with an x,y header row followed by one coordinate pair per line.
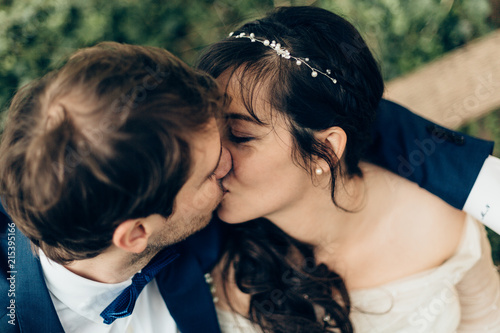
x,y
444,162
181,283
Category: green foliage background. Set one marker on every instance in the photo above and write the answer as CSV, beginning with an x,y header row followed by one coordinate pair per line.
x,y
36,35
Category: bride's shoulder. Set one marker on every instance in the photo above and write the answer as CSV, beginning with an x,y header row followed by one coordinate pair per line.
x,y
427,226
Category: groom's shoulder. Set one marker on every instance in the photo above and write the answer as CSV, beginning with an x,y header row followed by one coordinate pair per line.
x,y
7,244
7,280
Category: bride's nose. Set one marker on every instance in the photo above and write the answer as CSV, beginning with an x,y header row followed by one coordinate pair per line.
x,y
225,164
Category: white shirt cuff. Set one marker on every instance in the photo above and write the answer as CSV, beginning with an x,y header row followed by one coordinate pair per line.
x,y
484,199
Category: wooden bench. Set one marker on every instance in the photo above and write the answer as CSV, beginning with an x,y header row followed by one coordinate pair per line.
x,y
462,85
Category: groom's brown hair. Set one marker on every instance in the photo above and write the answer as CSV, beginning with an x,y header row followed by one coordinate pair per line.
x,y
101,140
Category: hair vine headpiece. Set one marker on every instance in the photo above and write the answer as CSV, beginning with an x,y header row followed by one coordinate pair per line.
x,y
281,51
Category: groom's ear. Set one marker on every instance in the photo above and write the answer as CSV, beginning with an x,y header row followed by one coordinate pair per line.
x,y
335,138
131,235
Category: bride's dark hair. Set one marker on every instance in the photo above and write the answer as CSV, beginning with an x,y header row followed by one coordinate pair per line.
x,y
289,291
259,252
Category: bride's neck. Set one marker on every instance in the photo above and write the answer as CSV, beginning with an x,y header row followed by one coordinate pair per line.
x,y
317,221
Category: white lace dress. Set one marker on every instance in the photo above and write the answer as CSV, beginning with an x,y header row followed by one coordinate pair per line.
x,y
461,295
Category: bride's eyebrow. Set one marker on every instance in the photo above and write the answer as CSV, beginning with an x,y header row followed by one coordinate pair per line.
x,y
244,117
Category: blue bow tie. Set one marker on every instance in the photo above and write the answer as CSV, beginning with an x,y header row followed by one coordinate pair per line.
x,y
124,304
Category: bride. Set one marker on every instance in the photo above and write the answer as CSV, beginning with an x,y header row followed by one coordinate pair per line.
x,y
334,243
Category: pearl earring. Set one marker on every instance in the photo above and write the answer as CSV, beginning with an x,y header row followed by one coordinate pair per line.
x,y
319,171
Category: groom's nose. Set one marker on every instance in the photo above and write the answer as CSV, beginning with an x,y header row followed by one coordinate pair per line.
x,y
225,164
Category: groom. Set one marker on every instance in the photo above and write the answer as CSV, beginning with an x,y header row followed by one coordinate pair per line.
x,y
109,163
107,166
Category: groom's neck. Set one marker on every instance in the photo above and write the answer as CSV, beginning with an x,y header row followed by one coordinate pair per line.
x,y
112,266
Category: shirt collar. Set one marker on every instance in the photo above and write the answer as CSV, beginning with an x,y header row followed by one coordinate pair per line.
x,y
86,297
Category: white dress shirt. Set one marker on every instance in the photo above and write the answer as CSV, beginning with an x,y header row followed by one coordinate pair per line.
x,y
484,199
79,302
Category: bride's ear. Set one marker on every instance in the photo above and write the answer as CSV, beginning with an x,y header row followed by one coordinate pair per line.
x,y
335,138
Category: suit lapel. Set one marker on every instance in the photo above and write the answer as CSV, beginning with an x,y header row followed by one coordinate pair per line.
x,y
183,286
187,296
35,310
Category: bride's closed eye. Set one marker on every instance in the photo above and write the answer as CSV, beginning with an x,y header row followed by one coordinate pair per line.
x,y
238,138
241,129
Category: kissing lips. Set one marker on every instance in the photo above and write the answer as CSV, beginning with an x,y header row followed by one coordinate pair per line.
x,y
224,190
